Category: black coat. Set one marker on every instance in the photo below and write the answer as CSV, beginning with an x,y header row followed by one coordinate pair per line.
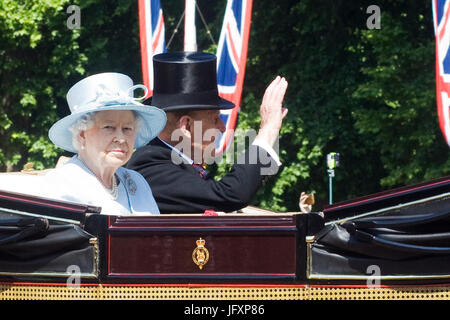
x,y
178,188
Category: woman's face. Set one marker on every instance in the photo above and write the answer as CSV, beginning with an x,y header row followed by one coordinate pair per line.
x,y
110,142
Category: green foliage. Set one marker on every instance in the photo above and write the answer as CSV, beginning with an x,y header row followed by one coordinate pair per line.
x,y
367,94
41,58
398,100
38,54
310,48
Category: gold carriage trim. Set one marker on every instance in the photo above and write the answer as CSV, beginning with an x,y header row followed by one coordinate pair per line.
x,y
219,292
200,255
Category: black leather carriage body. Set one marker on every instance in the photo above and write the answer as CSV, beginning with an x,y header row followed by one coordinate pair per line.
x,y
400,235
42,238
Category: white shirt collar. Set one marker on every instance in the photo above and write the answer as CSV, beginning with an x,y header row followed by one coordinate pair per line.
x,y
181,154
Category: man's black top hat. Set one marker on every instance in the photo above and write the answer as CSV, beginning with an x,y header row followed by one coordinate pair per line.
x,y
186,80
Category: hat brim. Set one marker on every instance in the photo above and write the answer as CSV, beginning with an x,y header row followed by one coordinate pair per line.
x,y
221,105
154,121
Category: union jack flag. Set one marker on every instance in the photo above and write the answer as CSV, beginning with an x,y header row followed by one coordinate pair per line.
x,y
231,59
441,17
152,33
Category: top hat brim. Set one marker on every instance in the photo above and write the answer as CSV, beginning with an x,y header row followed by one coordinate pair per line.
x,y
222,104
154,121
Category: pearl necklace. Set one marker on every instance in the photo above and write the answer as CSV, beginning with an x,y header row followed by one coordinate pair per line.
x,y
114,191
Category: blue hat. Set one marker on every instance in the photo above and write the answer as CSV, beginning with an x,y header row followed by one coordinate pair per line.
x,y
106,91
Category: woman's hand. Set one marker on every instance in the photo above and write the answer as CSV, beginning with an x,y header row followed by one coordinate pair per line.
x,y
305,203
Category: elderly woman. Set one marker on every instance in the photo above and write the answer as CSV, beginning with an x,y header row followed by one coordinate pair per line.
x,y
105,125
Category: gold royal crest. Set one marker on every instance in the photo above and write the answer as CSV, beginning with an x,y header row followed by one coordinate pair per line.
x,y
200,255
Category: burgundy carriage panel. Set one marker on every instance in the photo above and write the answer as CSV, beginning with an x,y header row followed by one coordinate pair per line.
x,y
183,248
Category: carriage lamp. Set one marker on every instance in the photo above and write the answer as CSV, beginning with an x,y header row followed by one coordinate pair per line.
x,y
333,163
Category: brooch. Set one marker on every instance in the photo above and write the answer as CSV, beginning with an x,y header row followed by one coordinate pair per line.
x,y
130,184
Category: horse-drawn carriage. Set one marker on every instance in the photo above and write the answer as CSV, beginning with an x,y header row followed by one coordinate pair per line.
x,y
393,244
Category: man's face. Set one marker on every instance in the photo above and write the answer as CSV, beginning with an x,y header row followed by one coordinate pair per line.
x,y
205,129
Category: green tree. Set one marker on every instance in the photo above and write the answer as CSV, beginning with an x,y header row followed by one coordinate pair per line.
x,y
41,58
398,99
311,47
38,56
367,94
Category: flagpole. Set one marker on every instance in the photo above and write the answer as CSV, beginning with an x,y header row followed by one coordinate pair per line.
x,y
190,33
146,66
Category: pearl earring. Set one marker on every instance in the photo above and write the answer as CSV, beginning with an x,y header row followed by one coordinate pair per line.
x,y
82,147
